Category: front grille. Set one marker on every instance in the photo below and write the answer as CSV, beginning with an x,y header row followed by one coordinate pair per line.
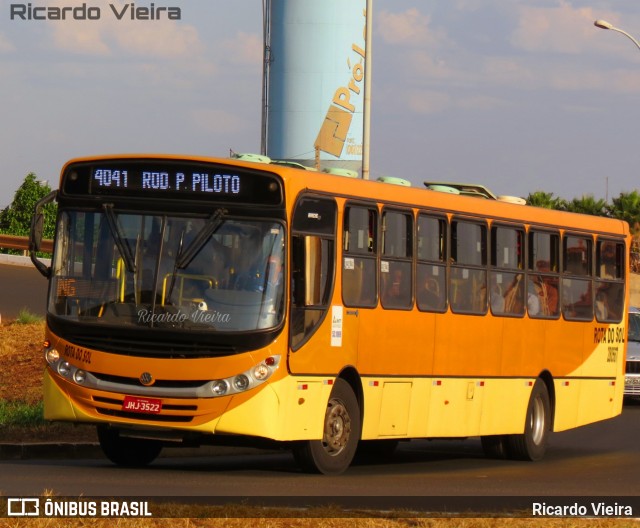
x,y
633,367
147,348
164,416
165,384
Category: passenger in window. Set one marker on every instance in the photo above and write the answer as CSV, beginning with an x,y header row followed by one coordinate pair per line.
x,y
396,282
395,290
533,298
608,261
546,289
514,297
601,307
496,298
430,295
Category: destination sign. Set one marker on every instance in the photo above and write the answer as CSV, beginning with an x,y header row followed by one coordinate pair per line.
x,y
158,180
172,179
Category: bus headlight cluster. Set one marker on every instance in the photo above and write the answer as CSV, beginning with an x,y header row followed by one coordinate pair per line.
x,y
246,380
63,367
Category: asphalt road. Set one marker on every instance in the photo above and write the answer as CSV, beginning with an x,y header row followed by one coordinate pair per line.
x,y
21,286
601,460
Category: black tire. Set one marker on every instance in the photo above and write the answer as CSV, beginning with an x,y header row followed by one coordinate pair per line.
x,y
129,452
532,444
333,454
495,446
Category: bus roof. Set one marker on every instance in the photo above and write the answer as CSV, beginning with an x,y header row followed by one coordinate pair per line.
x,y
298,180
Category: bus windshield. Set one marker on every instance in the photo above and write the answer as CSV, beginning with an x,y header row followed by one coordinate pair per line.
x,y
216,273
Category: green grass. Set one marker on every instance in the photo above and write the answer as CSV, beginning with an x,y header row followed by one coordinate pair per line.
x,y
15,413
26,317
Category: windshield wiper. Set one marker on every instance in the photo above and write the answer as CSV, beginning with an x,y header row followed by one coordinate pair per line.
x,y
184,258
118,237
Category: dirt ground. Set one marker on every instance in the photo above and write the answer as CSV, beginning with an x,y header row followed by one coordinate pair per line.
x,y
21,382
23,363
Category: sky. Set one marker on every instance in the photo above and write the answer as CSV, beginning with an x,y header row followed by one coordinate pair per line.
x,y
520,96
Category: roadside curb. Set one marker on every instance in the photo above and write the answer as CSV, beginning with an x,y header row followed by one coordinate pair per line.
x,y
27,451
92,450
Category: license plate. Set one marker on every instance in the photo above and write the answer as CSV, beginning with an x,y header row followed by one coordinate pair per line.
x,y
142,405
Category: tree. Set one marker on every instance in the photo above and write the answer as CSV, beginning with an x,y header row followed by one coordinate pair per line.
x,y
588,205
627,207
546,200
16,218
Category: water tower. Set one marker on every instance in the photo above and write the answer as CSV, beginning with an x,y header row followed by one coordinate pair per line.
x,y
314,83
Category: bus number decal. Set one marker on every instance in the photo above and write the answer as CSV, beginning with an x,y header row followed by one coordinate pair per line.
x,y
336,326
79,354
605,334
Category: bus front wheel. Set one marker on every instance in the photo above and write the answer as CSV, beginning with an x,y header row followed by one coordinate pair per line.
x,y
124,451
532,444
341,433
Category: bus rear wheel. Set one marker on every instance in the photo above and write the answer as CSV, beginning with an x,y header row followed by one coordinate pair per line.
x,y
124,451
532,444
341,433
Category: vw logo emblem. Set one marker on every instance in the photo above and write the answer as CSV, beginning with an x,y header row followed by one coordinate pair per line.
x,y
146,379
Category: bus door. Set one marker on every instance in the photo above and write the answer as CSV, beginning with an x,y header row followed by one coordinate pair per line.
x,y
315,323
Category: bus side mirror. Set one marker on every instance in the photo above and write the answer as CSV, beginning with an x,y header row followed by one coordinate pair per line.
x,y
35,237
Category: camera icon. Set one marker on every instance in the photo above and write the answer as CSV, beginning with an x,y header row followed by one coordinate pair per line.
x,y
23,507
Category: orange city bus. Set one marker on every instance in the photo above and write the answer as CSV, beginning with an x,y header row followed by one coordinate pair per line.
x,y
206,300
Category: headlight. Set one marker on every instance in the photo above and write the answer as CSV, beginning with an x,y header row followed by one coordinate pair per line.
x,y
241,382
219,388
261,372
51,355
245,380
64,369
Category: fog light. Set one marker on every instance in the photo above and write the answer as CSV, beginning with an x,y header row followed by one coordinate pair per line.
x,y
51,355
219,388
80,376
241,382
64,368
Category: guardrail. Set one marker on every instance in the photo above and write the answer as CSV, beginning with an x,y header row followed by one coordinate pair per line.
x,y
22,242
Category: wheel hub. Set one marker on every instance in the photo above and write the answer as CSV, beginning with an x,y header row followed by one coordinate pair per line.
x,y
337,428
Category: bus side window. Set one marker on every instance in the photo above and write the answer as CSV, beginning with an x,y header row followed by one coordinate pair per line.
x,y
610,266
359,285
396,265
468,293
431,292
577,286
506,291
543,274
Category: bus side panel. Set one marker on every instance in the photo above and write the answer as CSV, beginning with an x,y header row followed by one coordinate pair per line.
x,y
505,405
292,408
467,345
321,354
395,342
57,403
